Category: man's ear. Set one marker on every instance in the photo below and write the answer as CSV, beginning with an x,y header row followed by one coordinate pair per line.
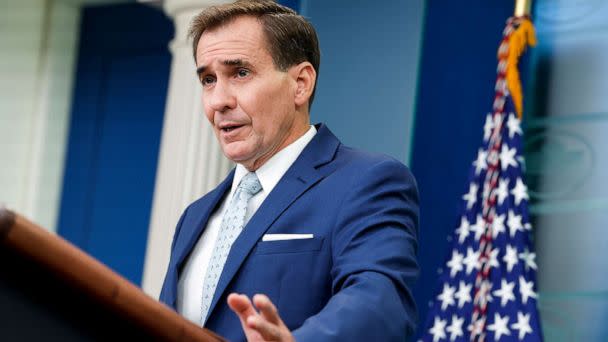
x,y
305,77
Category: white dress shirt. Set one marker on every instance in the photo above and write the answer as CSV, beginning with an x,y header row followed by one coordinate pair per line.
x,y
190,283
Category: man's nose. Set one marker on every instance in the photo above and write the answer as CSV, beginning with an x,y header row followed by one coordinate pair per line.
x,y
221,98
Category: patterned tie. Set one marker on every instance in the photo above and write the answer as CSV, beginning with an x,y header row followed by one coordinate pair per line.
x,y
232,224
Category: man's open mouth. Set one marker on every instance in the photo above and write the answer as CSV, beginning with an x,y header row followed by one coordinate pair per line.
x,y
230,128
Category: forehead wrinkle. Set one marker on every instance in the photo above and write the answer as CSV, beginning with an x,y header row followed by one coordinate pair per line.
x,y
228,56
217,44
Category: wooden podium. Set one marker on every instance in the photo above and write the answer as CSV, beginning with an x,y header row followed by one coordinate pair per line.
x,y
52,291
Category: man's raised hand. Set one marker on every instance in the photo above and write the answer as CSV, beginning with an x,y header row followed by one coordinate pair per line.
x,y
265,325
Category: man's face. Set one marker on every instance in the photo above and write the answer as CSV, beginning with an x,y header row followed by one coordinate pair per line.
x,y
249,103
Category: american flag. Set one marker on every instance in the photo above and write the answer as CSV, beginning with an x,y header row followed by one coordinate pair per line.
x,y
487,286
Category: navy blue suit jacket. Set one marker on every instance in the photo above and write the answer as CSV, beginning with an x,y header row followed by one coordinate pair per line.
x,y
353,280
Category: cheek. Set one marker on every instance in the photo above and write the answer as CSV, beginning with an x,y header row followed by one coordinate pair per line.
x,y
267,106
208,113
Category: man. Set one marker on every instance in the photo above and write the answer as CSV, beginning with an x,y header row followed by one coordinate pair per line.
x,y
306,239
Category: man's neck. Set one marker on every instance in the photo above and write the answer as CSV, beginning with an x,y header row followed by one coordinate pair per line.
x,y
294,135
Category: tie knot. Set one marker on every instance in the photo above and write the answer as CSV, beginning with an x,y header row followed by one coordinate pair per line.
x,y
250,184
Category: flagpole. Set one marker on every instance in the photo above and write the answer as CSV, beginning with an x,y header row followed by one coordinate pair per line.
x,y
522,8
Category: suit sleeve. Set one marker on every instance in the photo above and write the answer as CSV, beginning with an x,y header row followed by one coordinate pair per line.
x,y
374,246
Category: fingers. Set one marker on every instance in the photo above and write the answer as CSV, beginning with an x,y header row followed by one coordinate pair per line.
x,y
241,305
268,331
267,324
267,309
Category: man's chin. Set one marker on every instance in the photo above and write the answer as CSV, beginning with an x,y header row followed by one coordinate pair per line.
x,y
236,155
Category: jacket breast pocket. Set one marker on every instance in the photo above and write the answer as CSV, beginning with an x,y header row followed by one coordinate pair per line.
x,y
289,246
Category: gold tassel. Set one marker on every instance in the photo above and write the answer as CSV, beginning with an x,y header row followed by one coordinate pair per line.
x,y
523,37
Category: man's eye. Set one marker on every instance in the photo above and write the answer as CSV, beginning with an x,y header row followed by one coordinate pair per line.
x,y
243,73
206,80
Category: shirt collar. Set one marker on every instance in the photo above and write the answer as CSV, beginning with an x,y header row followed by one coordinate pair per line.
x,y
273,170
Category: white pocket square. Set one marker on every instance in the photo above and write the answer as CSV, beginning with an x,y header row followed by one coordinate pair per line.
x,y
280,237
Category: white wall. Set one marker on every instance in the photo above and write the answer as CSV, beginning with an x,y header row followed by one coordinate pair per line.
x,y
39,40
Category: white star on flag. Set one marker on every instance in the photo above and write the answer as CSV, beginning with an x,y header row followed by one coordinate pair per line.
x,y
455,328
498,225
513,124
480,163
471,260
479,227
447,296
505,292
510,257
523,325
438,329
493,262
514,223
464,293
471,196
528,258
507,157
503,190
463,230
520,191
455,264
525,289
499,327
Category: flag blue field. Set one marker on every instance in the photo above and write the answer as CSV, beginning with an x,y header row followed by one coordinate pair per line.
x,y
487,287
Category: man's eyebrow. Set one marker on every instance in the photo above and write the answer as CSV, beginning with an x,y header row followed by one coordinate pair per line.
x,y
228,62
235,62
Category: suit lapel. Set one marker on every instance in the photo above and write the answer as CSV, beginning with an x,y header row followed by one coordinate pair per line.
x,y
192,233
300,177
